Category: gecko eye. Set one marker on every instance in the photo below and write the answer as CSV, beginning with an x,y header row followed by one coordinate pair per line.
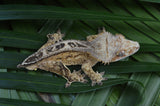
x,y
120,53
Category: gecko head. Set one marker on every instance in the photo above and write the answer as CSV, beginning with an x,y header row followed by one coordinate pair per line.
x,y
125,48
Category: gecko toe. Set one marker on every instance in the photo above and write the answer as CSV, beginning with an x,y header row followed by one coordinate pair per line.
x,y
105,78
100,83
102,73
67,84
93,83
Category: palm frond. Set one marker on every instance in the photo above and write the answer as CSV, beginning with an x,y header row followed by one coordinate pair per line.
x,y
15,102
153,1
49,84
14,12
23,29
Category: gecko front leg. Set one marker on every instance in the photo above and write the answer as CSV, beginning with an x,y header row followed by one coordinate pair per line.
x,y
92,37
95,77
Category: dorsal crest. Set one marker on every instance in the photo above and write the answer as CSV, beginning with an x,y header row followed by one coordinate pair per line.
x,y
68,45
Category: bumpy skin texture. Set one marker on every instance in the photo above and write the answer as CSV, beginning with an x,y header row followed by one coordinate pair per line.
x,y
56,54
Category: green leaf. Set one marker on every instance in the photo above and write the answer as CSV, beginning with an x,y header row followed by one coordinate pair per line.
x,y
152,87
131,96
96,98
11,59
39,83
16,102
8,12
153,1
128,67
142,31
157,101
20,40
149,48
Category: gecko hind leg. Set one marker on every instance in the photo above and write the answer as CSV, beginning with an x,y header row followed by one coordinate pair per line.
x,y
71,77
75,76
56,37
53,38
60,69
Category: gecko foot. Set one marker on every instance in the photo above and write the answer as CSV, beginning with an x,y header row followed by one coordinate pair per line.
x,y
76,76
98,78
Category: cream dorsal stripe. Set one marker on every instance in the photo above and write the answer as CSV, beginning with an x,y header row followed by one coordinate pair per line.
x,y
68,45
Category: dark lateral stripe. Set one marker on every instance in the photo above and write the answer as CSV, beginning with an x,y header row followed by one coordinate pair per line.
x,y
60,46
80,45
71,44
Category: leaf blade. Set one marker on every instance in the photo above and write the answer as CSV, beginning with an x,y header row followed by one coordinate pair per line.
x,y
8,12
20,40
49,84
16,102
153,1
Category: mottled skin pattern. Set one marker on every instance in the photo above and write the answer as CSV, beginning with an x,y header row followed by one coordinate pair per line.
x,y
113,48
53,38
57,63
